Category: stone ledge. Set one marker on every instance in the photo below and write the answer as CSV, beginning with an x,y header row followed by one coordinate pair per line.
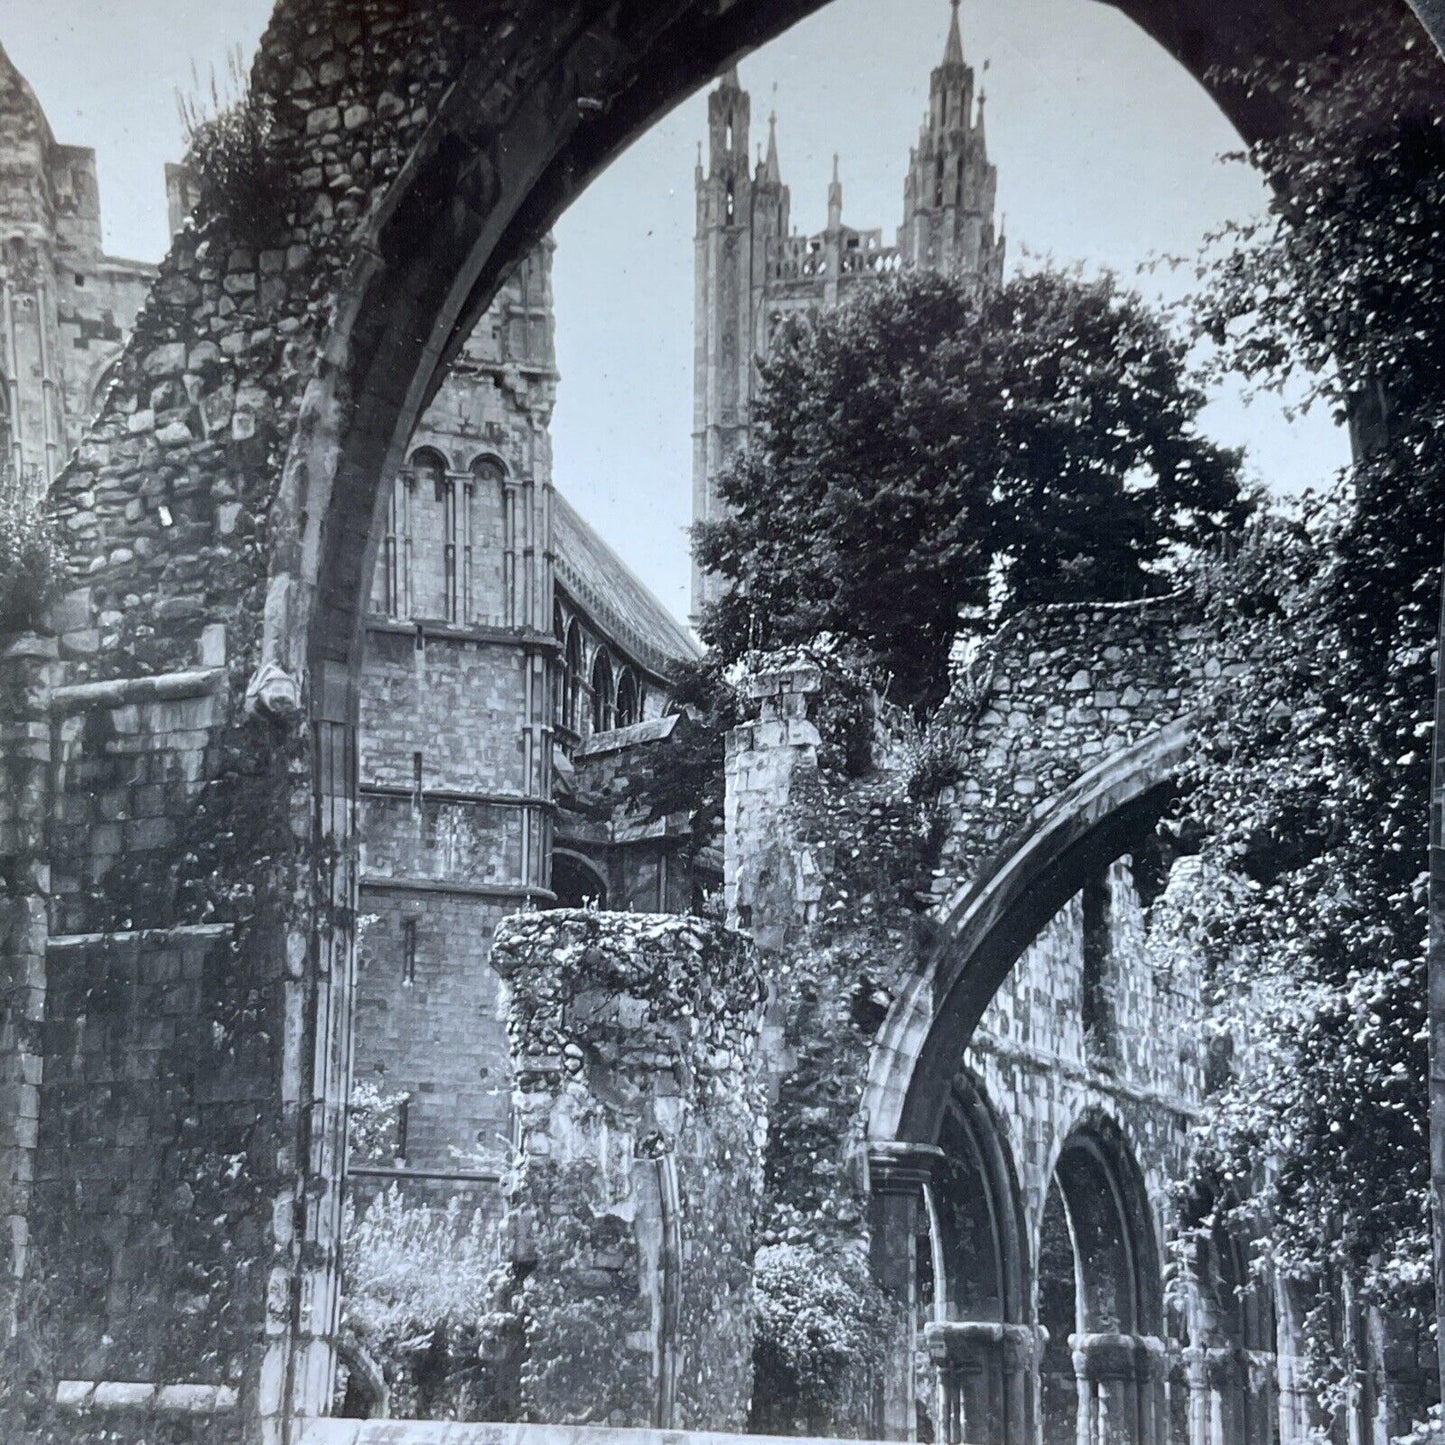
x,y
138,1396
162,687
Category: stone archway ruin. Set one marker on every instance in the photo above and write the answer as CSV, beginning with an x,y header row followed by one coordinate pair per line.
x,y
184,843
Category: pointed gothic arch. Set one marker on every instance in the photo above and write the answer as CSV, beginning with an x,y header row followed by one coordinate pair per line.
x,y
1111,1274
604,698
628,706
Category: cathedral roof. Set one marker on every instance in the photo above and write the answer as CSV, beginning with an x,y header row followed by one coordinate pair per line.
x,y
614,597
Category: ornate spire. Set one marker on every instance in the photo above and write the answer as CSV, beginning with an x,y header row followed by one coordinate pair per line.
x,y
953,51
835,198
772,172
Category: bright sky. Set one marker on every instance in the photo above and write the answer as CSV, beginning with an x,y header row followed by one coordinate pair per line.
x,y
1108,153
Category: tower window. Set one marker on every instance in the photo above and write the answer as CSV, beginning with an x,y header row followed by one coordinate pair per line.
x,y
408,950
728,133
731,202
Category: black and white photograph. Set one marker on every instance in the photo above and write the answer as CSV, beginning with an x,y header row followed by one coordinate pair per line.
x,y
718,721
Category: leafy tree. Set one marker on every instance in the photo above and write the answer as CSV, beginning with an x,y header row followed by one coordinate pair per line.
x,y
1312,787
923,452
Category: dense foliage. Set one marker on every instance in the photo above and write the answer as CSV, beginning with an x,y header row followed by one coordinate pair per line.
x,y
922,452
1311,792
424,1293
822,1332
31,563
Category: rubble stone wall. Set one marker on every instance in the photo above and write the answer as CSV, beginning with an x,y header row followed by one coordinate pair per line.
x,y
640,1119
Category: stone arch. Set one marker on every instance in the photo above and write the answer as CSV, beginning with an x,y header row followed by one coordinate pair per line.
x,y
929,1023
105,371
488,467
1098,1255
577,881
1231,1366
978,1338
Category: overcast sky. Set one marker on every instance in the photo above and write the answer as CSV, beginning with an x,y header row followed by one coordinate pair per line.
x,y
1108,153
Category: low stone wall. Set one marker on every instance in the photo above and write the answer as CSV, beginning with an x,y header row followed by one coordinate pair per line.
x,y
441,1432
631,1209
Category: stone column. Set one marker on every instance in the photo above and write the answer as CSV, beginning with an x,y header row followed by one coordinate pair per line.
x,y
27,668
641,1120
1122,1395
772,879
986,1376
897,1174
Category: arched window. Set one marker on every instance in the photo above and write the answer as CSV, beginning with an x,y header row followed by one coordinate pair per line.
x,y
732,202
431,595
572,679
559,677
604,709
629,699
489,470
429,472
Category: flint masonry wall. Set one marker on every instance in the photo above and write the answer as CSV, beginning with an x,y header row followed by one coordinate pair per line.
x,y
1091,1030
640,1118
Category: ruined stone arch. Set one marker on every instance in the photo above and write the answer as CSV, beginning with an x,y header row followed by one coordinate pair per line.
x,y
978,1333
928,1025
1098,1262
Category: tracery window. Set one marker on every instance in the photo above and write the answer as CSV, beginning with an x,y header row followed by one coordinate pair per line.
x,y
629,700
604,707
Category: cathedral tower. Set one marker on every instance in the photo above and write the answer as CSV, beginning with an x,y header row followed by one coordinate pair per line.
x,y
753,271
948,197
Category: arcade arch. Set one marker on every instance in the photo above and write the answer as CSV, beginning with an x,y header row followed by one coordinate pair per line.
x,y
1099,1258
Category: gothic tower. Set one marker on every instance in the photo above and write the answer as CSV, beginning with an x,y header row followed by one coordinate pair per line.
x,y
724,288
753,271
948,197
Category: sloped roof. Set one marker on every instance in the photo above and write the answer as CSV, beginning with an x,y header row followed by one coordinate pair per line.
x,y
613,597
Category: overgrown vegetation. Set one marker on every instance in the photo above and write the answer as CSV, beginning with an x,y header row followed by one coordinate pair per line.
x,y
823,1331
1311,786
920,454
32,564
424,1294
230,153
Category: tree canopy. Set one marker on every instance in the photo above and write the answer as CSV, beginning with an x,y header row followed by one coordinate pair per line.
x,y
923,453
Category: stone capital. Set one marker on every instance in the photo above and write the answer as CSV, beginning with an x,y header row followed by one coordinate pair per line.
x,y
901,1167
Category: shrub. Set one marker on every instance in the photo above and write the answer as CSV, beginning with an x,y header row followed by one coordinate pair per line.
x,y
423,1294
32,565
821,1343
231,154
